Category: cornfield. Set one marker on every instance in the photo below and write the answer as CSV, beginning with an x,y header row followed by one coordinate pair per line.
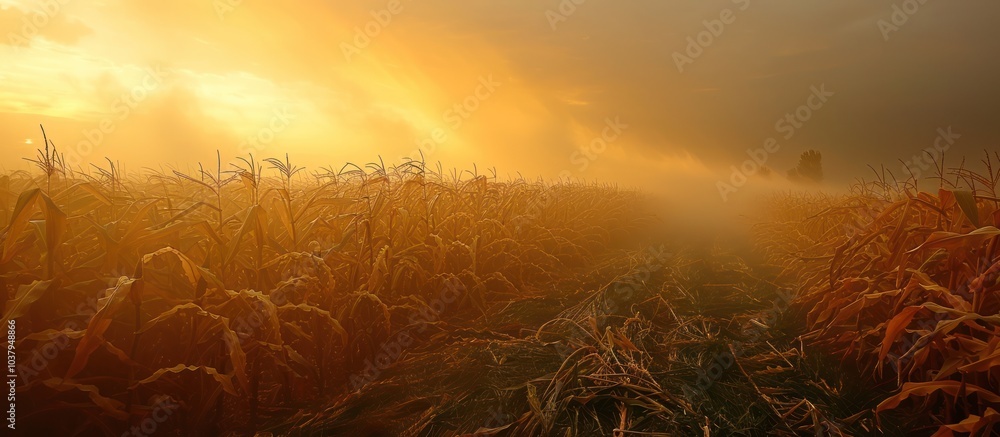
x,y
258,298
235,297
902,284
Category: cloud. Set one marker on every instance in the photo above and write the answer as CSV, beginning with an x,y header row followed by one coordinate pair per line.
x,y
606,59
25,22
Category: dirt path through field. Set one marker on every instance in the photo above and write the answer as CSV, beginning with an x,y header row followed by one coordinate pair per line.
x,y
649,341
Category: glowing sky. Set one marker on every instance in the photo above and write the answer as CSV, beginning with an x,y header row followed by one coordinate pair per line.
x,y
536,81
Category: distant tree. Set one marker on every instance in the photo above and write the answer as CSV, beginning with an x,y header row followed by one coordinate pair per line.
x,y
810,168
